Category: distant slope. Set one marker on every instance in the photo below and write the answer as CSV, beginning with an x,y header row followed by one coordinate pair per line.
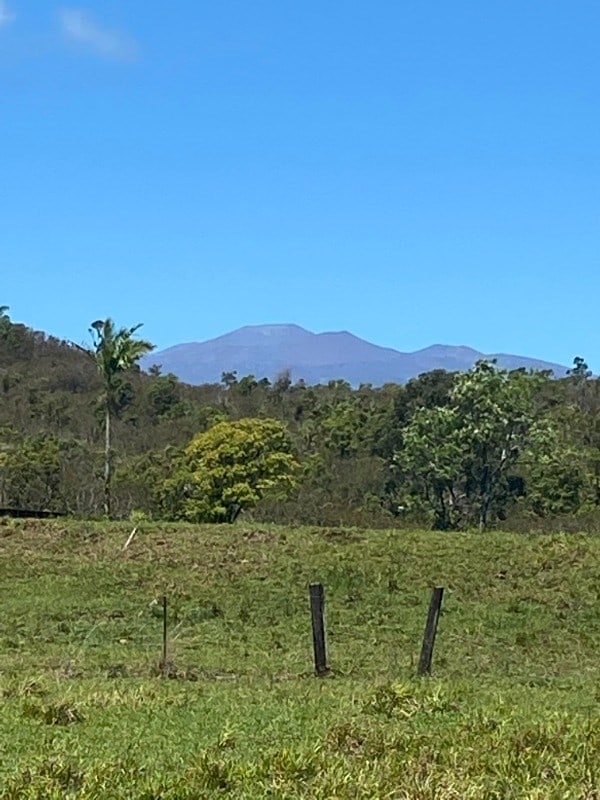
x,y
269,350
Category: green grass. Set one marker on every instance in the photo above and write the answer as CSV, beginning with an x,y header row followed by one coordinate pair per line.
x,y
511,712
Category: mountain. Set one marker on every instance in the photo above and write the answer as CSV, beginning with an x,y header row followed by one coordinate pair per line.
x,y
270,350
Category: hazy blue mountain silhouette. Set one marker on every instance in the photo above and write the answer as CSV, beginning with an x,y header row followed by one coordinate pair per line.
x,y
269,350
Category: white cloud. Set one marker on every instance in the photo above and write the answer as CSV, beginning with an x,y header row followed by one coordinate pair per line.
x,y
6,15
80,28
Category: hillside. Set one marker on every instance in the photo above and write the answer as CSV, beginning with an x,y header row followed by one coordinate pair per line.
x,y
270,350
359,449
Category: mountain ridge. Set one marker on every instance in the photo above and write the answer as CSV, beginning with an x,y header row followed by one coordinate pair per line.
x,y
267,351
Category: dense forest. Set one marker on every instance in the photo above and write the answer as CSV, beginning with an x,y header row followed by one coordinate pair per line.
x,y
449,450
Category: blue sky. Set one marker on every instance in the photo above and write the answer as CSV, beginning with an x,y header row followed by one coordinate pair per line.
x,y
414,172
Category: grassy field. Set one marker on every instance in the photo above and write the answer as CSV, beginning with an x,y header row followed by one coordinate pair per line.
x,y
512,710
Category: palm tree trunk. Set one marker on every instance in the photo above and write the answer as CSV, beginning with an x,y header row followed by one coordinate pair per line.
x,y
107,464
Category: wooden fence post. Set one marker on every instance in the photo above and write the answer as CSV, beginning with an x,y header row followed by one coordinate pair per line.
x,y
435,606
317,606
165,650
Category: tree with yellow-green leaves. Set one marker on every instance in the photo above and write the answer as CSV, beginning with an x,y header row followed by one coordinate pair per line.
x,y
230,467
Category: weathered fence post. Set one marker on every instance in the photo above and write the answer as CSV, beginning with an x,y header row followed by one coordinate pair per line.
x,y
165,650
317,606
433,615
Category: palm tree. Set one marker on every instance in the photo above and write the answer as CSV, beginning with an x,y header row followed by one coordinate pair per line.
x,y
114,351
4,318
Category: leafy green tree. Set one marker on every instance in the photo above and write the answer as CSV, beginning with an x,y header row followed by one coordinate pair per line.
x,y
495,409
555,470
164,395
229,467
578,418
340,428
429,390
430,463
115,351
138,478
30,473
229,379
5,323
460,457
579,369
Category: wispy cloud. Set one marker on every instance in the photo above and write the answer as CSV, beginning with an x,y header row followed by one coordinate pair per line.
x,y
6,15
80,28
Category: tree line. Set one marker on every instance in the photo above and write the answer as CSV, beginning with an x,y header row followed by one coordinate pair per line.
x,y
84,431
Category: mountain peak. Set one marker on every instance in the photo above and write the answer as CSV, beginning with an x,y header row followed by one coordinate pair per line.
x,y
268,350
257,334
272,329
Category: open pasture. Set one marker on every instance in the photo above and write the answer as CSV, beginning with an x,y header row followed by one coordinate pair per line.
x,y
512,709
